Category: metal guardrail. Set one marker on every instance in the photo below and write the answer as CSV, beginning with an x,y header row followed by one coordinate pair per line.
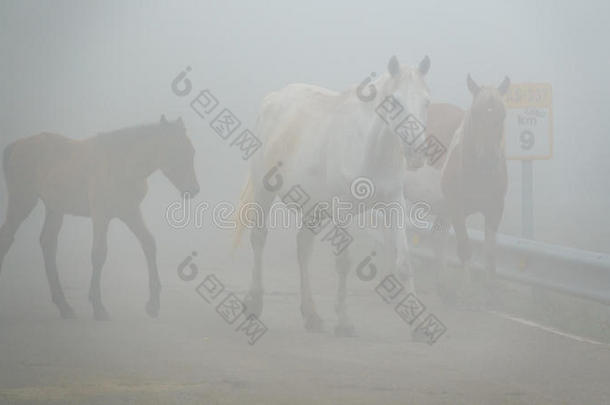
x,y
575,272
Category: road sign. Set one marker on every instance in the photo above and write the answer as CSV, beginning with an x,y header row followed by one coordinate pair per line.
x,y
529,121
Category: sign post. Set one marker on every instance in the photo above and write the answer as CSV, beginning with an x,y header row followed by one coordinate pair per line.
x,y
527,199
529,137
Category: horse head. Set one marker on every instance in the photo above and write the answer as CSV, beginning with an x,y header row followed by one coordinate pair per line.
x,y
177,163
407,86
486,121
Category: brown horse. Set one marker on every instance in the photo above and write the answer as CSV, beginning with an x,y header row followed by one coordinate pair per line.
x,y
474,177
102,177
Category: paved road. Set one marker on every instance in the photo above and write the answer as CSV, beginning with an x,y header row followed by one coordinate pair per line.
x,y
191,356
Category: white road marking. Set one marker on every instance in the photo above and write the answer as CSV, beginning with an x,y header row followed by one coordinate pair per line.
x,y
548,329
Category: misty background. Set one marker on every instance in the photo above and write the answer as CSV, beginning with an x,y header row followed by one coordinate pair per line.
x,y
80,68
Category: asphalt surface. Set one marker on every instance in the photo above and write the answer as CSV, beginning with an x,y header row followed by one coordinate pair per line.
x,y
191,355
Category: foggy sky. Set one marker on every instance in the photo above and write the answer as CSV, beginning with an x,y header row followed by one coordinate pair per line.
x,y
78,69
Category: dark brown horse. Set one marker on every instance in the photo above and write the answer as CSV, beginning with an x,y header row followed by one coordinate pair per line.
x,y
474,177
103,177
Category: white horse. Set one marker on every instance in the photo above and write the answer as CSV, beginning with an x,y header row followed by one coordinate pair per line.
x,y
321,141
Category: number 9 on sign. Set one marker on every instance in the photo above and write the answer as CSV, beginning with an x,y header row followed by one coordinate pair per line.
x,y
527,140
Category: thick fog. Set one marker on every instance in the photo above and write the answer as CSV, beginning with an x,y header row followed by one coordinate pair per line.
x,y
79,69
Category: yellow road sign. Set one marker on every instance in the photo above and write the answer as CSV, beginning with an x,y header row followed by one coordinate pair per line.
x,y
529,121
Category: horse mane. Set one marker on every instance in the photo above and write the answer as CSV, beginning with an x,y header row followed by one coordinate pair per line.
x,y
467,134
351,90
378,82
128,133
467,125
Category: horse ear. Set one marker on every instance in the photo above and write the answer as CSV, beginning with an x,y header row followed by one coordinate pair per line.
x,y
503,87
394,66
424,66
163,119
472,86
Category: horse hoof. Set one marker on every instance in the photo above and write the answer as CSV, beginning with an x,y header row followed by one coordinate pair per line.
x,y
254,304
101,315
313,323
447,295
418,336
468,304
492,296
493,302
152,309
67,312
449,301
346,330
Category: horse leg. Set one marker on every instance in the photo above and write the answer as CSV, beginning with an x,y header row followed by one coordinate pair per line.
x,y
313,322
395,238
98,258
492,222
404,265
19,208
138,227
464,253
440,237
48,243
344,326
258,237
389,244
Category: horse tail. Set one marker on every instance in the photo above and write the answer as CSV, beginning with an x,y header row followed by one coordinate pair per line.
x,y
246,197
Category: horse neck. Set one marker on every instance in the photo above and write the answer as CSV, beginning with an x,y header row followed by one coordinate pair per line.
x,y
468,136
469,141
139,155
381,142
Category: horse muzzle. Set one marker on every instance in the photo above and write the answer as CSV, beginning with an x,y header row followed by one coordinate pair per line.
x,y
192,193
415,162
